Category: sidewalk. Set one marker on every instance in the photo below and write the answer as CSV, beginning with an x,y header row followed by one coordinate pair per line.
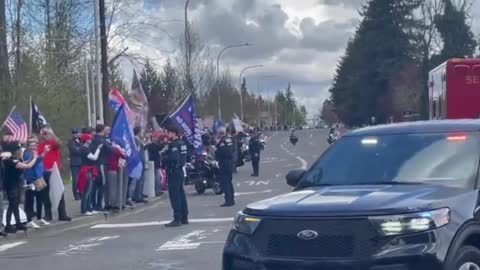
x,y
73,211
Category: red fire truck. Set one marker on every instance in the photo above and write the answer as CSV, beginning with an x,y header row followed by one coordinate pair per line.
x,y
454,90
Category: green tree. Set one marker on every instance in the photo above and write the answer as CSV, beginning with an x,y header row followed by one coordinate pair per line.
x,y
458,39
380,48
171,84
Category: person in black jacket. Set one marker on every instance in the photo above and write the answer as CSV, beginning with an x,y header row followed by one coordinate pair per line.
x,y
174,162
255,147
224,156
74,147
101,185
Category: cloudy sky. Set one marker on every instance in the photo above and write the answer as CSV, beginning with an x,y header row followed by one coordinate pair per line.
x,y
298,41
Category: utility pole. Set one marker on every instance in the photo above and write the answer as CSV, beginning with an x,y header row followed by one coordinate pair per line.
x,y
87,88
104,115
98,104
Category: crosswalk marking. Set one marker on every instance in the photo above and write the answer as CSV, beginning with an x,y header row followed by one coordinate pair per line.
x,y
84,246
8,246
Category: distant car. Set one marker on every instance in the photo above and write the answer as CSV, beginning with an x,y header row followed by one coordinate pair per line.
x,y
397,197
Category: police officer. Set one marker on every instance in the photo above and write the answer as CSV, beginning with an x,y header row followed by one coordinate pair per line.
x,y
175,160
255,146
224,156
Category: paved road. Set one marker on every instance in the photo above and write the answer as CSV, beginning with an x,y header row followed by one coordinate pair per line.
x,y
138,239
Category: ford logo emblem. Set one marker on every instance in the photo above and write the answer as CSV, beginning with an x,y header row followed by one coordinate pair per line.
x,y
307,235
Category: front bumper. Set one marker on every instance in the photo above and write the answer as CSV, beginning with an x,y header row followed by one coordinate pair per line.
x,y
412,252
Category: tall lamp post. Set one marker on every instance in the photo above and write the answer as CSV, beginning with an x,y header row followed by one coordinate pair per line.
x,y
218,72
240,86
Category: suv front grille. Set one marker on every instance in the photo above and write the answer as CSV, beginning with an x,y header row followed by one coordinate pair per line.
x,y
337,239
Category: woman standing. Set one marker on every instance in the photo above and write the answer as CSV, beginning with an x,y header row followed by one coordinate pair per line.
x,y
13,169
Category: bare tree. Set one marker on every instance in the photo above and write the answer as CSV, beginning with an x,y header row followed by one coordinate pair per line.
x,y
4,68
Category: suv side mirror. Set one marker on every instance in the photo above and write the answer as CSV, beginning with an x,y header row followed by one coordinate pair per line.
x,y
293,177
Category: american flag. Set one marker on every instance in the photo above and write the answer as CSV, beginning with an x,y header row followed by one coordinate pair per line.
x,y
17,126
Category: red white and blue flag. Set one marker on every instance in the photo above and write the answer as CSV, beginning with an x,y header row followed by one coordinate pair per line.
x,y
17,126
116,101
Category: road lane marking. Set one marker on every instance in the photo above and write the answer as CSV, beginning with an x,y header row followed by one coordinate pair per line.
x,y
252,192
8,246
158,223
304,162
84,246
189,241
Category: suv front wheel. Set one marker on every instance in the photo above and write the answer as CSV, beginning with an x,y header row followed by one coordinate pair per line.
x,y
467,258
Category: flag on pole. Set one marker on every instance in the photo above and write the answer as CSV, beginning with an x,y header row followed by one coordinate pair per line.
x,y
216,125
186,118
37,118
116,100
139,102
122,134
17,126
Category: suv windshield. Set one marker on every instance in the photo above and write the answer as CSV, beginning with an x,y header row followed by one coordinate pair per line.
x,y
443,159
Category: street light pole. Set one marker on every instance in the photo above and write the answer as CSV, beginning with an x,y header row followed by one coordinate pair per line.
x,y
218,72
240,87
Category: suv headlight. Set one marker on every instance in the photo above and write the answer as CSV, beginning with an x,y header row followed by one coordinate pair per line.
x,y
246,224
412,223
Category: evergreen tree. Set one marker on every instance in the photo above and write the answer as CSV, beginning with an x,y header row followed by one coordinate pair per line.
x,y
380,48
458,39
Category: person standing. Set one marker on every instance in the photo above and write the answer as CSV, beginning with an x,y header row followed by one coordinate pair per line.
x,y
113,176
3,155
224,156
100,138
155,148
13,169
137,196
33,196
255,147
52,143
74,147
174,162
88,174
233,136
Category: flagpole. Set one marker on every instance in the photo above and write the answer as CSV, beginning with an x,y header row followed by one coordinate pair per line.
x,y
3,124
31,115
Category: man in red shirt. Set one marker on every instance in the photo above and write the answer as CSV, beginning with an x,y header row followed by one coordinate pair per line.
x,y
49,140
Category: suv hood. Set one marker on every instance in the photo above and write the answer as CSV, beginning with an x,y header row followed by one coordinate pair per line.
x,y
358,200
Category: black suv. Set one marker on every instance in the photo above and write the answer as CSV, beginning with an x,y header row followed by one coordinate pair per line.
x,y
396,197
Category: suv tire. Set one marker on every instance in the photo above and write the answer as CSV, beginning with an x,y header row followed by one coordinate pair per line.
x,y
467,258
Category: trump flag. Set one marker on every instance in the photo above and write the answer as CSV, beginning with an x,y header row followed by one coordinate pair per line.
x,y
122,134
186,118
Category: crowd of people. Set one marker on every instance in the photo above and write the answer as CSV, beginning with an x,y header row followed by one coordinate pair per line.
x,y
98,171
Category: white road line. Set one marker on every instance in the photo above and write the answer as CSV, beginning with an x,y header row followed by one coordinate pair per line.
x,y
304,163
8,246
253,192
84,245
158,223
188,241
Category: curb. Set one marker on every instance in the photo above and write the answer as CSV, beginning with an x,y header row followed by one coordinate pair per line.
x,y
58,227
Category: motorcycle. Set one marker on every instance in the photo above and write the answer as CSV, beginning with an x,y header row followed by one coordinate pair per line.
x,y
332,137
293,139
202,173
246,153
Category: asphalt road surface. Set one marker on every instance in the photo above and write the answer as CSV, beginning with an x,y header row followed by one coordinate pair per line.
x,y
138,239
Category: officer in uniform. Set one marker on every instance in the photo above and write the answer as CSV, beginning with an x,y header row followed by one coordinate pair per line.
x,y
255,146
175,160
224,156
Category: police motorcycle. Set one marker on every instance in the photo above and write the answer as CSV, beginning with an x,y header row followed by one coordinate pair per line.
x,y
202,173
293,138
246,153
332,137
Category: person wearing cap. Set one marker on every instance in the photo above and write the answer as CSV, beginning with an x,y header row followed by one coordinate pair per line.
x,y
175,160
224,156
74,147
13,170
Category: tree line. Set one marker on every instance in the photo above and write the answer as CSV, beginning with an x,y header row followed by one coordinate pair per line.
x,y
384,71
